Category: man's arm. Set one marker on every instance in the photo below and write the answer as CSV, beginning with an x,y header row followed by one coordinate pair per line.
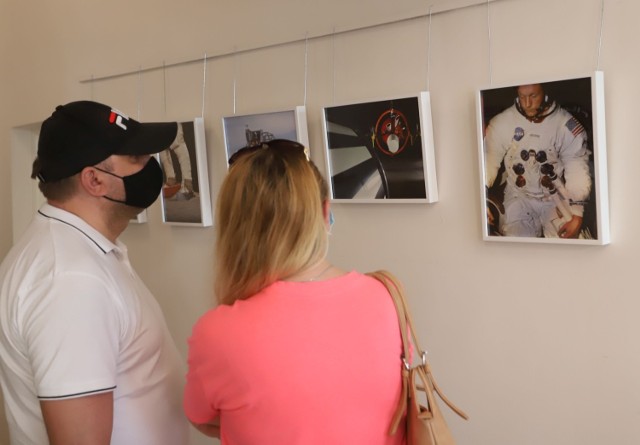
x,y
571,229
79,421
496,145
575,160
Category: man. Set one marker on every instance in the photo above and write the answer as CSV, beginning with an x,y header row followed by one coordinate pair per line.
x,y
181,152
85,354
546,163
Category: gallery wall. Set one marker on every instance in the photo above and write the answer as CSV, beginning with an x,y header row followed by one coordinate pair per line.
x,y
537,342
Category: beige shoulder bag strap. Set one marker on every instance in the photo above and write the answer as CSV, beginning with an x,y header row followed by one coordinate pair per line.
x,y
408,334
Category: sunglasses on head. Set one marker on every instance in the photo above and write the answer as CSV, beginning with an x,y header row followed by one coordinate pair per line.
x,y
274,144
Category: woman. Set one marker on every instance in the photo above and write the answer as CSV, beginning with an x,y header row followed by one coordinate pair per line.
x,y
298,351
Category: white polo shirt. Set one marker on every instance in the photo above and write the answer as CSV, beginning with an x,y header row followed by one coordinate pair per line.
x,y
76,320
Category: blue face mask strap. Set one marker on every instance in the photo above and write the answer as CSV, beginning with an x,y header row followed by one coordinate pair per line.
x,y
331,221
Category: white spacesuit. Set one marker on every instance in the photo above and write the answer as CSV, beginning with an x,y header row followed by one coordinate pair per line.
x,y
179,147
546,162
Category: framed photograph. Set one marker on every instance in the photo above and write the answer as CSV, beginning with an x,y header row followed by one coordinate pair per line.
x,y
381,151
543,162
252,129
141,218
185,193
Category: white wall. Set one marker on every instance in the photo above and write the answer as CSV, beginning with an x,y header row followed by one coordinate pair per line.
x,y
538,343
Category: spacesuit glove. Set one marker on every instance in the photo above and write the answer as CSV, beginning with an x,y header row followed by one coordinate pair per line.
x,y
577,209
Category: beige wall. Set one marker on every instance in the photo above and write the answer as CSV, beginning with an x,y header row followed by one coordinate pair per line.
x,y
539,343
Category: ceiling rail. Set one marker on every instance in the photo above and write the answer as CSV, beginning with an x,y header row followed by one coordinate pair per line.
x,y
449,5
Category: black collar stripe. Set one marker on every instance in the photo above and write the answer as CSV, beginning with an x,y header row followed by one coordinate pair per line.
x,y
78,394
78,229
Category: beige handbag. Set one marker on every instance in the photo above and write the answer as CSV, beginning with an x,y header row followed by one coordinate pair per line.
x,y
425,424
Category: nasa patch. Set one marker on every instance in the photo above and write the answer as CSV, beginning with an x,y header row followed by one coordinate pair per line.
x,y
518,134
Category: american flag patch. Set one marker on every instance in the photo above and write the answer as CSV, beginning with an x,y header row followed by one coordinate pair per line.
x,y
574,126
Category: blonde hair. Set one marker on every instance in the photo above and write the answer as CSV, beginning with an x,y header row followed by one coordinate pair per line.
x,y
270,222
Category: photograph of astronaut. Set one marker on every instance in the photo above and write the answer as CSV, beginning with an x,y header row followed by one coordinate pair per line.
x,y
381,151
185,192
543,170
253,129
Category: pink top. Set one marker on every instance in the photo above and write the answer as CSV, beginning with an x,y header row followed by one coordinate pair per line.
x,y
299,363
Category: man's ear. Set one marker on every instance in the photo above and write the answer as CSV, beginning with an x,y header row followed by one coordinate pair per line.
x,y
92,182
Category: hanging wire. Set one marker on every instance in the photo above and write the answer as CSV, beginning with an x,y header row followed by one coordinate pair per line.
x,y
91,90
333,66
600,38
489,41
429,49
235,72
306,66
164,87
139,90
204,82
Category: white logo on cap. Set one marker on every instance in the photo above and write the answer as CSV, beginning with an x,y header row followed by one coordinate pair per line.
x,y
116,117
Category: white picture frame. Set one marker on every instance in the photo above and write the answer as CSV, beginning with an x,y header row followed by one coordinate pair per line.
x,y
381,151
141,218
249,129
583,97
185,197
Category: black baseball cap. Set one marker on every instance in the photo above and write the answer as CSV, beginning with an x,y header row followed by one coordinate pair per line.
x,y
85,133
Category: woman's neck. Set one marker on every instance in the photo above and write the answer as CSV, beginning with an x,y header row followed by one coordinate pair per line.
x,y
321,270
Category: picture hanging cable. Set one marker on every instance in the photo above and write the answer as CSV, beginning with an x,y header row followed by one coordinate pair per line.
x,y
333,66
139,91
235,72
489,39
91,89
306,66
429,49
600,38
164,86
204,82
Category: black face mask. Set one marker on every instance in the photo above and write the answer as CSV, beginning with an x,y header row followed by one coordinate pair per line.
x,y
142,188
